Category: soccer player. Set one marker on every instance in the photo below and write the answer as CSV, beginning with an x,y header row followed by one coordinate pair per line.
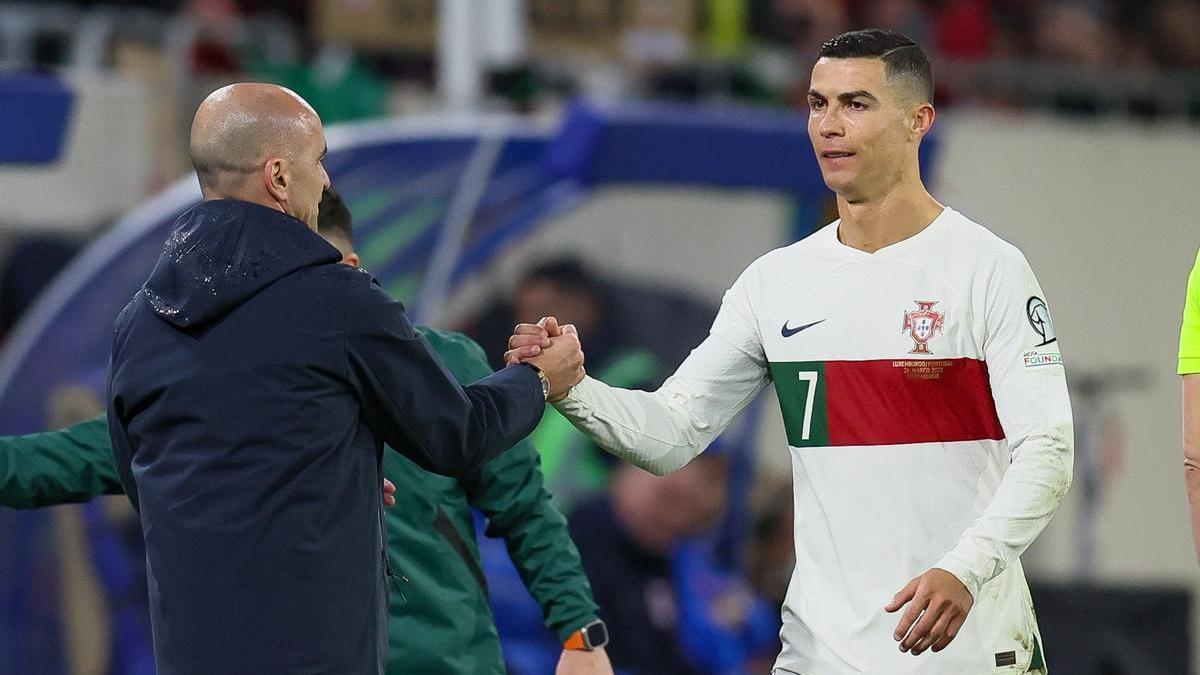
x,y
1189,368
441,621
922,389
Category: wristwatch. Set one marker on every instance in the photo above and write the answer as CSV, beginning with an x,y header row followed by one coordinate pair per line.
x,y
591,637
542,377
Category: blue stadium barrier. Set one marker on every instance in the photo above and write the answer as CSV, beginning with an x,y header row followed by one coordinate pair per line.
x,y
35,115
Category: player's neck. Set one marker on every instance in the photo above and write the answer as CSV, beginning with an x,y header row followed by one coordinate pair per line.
x,y
870,225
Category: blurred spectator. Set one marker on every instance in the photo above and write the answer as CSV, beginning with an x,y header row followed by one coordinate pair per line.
x,y
656,35
1073,32
336,82
30,266
903,16
101,561
625,345
669,606
214,50
1000,47
1176,26
84,621
618,314
964,29
772,555
805,24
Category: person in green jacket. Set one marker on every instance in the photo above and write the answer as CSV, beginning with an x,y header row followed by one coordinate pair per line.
x,y
439,618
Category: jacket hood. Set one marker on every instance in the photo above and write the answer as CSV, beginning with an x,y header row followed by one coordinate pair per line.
x,y
221,252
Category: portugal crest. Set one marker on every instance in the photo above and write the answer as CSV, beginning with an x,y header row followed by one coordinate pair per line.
x,y
922,325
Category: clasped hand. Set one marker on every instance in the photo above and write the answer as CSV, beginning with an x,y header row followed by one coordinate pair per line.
x,y
552,348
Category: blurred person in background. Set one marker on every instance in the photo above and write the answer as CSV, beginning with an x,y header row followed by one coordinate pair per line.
x,y
28,268
805,22
254,379
1176,26
964,29
440,622
940,450
671,607
621,349
909,17
101,575
796,28
771,556
1073,31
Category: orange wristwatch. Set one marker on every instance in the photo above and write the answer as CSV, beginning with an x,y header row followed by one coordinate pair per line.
x,y
591,637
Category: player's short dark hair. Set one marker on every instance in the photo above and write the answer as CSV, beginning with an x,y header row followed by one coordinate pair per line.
x,y
333,218
902,57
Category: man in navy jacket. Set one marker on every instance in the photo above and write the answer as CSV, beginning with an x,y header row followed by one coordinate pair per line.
x,y
254,380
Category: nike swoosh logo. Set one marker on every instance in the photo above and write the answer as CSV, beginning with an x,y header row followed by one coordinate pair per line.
x,y
789,332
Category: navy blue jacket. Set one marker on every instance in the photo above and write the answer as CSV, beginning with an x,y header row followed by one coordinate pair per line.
x,y
254,380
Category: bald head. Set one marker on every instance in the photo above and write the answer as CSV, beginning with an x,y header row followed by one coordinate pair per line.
x,y
239,126
256,142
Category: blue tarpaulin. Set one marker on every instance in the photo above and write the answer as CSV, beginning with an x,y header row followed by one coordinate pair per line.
x,y
35,115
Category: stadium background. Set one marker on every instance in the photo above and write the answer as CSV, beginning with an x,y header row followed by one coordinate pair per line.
x,y
476,139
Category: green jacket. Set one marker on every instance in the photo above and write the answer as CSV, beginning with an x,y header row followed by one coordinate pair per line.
x,y
440,621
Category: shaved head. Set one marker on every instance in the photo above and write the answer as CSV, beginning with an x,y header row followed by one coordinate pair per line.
x,y
239,126
259,143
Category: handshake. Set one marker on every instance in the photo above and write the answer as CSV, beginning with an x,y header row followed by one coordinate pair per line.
x,y
554,349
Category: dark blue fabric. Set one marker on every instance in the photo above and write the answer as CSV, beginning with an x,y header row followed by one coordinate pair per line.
x,y
253,382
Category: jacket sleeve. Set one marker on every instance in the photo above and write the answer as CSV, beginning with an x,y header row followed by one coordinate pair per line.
x,y
57,467
1029,388
118,431
663,430
412,401
511,492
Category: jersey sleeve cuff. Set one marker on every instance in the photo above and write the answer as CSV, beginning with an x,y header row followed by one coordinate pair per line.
x,y
962,573
1189,365
569,627
576,400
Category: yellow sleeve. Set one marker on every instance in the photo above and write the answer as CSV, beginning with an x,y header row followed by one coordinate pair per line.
x,y
1189,333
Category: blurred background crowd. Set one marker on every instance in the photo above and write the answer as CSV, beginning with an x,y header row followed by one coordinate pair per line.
x,y
1072,127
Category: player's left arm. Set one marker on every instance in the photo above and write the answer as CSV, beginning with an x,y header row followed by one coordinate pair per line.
x,y
1029,388
1191,450
1189,368
511,492
66,466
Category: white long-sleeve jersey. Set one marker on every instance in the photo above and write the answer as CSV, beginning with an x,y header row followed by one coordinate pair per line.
x,y
928,421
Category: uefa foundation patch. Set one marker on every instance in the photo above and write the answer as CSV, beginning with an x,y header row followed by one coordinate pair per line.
x,y
1037,359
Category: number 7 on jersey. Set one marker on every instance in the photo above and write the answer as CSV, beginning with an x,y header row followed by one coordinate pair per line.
x,y
800,386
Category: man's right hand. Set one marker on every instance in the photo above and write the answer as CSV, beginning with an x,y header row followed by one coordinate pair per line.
x,y
552,348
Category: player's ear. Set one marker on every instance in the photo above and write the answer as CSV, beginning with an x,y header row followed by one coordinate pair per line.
x,y
921,120
277,178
